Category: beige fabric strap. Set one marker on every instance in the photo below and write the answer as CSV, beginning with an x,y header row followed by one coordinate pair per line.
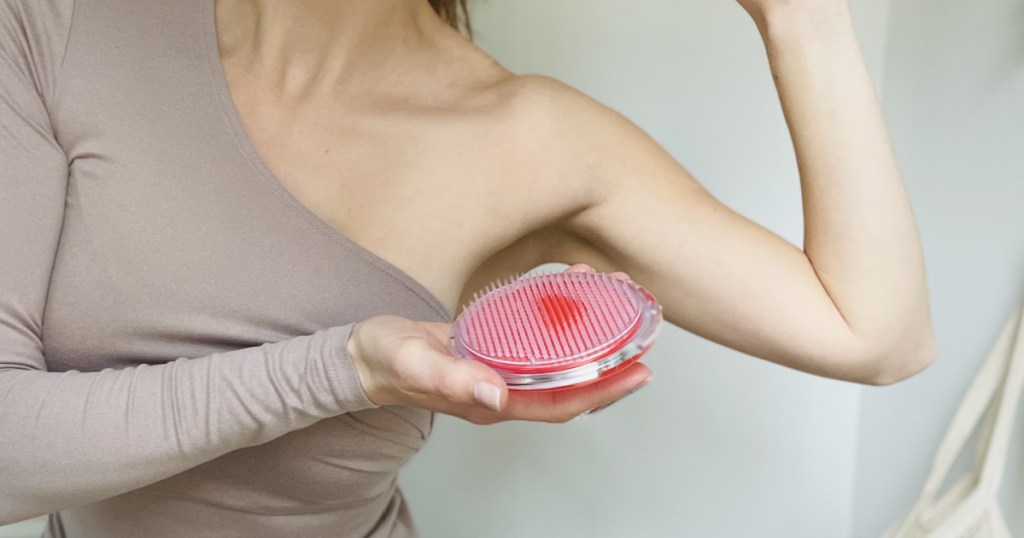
x,y
970,507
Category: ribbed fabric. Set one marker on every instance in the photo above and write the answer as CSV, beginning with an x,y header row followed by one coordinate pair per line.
x,y
172,321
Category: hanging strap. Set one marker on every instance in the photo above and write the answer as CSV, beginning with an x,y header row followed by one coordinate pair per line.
x,y
985,386
998,382
1009,402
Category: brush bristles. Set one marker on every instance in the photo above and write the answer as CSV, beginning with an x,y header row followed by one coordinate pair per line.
x,y
548,318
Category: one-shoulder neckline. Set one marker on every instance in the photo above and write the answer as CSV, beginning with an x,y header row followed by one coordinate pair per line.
x,y
211,48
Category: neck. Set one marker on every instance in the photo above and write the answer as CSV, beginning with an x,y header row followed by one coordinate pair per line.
x,y
306,45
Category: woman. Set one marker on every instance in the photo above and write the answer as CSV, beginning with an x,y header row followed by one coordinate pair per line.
x,y
235,232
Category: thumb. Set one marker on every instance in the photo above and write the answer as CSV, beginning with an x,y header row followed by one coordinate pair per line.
x,y
467,381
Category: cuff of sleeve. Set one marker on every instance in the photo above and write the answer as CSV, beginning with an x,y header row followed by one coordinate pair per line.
x,y
341,371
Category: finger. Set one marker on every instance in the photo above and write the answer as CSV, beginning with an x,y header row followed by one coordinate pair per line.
x,y
563,405
580,268
489,388
604,406
607,390
621,276
459,381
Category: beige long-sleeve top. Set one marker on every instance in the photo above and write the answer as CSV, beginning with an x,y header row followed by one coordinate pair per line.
x,y
172,320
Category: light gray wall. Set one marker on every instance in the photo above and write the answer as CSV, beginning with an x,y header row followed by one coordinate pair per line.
x,y
719,444
954,97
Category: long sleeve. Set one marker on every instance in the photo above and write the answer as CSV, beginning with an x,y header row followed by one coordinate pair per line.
x,y
70,438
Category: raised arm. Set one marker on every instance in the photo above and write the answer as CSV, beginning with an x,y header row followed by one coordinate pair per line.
x,y
852,304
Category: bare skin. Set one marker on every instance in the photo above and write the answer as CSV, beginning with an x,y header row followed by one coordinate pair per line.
x,y
420,154
412,141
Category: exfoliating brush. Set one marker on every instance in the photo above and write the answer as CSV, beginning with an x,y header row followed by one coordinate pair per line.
x,y
556,330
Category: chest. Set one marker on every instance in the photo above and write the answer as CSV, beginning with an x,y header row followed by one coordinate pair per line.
x,y
447,196
188,231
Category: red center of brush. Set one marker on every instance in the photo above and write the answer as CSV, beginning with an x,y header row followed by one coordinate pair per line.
x,y
560,312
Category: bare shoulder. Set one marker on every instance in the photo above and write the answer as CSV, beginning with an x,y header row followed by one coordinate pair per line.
x,y
592,139
551,142
612,166
557,105
543,91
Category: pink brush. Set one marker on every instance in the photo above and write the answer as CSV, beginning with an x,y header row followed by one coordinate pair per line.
x,y
557,330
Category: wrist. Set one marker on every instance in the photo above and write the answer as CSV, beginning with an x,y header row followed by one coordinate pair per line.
x,y
786,19
363,371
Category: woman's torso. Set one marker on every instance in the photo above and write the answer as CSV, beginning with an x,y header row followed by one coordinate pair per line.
x,y
180,241
438,161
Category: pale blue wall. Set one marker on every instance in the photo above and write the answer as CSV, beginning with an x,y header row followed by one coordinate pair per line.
x,y
954,96
26,529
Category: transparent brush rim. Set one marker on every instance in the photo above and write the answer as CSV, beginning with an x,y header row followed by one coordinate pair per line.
x,y
650,325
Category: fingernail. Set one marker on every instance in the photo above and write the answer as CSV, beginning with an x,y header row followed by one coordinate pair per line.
x,y
487,394
619,399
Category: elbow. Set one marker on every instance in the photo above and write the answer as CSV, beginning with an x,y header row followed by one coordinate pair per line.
x,y
895,365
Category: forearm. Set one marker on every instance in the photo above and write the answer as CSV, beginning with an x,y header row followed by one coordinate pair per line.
x,y
77,437
859,230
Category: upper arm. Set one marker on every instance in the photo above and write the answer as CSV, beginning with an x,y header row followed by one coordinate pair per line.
x,y
33,173
717,273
